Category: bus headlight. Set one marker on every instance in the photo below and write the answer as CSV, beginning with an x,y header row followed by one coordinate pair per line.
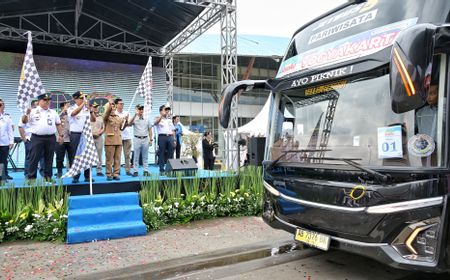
x,y
419,241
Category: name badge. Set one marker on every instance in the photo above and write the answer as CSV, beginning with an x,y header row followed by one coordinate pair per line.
x,y
49,122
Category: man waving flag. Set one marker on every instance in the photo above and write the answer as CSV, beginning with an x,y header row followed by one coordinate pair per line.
x,y
145,88
30,85
86,154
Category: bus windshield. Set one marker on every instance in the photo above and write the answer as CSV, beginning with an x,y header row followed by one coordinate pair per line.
x,y
352,119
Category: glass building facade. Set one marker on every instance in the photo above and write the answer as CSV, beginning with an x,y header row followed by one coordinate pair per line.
x,y
197,89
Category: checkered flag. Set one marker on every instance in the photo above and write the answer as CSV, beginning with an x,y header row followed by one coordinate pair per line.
x,y
145,88
86,154
30,85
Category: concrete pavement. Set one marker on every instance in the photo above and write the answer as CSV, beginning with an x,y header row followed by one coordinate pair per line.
x,y
44,260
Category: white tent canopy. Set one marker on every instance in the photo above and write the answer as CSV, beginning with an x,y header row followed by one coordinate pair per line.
x,y
258,126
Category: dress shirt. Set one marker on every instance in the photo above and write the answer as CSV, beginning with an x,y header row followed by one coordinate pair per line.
x,y
6,131
141,127
43,122
165,126
26,128
127,133
76,123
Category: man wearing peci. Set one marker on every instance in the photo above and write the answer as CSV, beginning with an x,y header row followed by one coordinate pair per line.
x,y
98,127
113,140
44,123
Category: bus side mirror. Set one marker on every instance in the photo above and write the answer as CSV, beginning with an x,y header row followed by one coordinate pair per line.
x,y
410,67
227,96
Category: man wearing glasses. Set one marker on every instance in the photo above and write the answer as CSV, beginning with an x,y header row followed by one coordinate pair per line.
x,y
44,123
166,138
127,134
6,139
77,116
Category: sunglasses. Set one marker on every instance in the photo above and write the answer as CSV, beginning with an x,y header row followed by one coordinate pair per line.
x,y
167,109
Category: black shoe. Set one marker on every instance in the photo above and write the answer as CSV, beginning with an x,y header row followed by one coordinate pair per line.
x,y
146,173
9,177
100,174
135,174
129,173
117,178
87,180
74,181
109,178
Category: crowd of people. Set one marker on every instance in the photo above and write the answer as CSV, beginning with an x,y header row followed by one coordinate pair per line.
x,y
46,132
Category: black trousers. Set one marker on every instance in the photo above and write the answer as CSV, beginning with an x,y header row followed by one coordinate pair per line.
x,y
61,150
42,144
165,150
208,162
4,151
74,141
177,150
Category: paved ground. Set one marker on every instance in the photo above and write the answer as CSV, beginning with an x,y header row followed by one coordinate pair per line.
x,y
43,260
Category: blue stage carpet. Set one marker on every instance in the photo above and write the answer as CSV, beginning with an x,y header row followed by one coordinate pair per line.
x,y
125,184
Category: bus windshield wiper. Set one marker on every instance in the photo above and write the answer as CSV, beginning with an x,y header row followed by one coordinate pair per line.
x,y
351,161
284,153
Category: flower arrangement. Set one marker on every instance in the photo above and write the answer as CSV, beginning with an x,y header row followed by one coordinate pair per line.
x,y
178,202
38,213
191,142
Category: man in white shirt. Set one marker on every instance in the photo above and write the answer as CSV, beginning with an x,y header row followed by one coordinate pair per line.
x,y
166,136
44,124
127,134
77,114
25,134
6,140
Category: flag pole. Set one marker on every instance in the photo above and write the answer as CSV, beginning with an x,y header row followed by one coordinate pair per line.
x,y
90,179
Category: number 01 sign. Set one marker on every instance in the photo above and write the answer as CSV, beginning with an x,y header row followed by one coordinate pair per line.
x,y
390,142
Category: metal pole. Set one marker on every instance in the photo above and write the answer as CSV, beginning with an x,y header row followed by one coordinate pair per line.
x,y
90,180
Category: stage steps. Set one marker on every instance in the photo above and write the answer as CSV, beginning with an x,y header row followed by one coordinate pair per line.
x,y
104,216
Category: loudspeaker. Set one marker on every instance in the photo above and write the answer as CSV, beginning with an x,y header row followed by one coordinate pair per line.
x,y
185,165
256,150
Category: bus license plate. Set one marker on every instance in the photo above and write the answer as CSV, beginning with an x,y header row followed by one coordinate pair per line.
x,y
314,239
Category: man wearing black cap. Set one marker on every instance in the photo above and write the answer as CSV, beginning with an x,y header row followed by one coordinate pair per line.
x,y
142,139
166,138
63,148
44,123
77,116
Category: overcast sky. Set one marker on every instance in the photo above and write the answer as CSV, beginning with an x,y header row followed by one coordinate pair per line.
x,y
277,17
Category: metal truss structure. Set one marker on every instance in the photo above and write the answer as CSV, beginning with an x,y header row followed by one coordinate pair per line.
x,y
229,75
62,28
215,11
52,29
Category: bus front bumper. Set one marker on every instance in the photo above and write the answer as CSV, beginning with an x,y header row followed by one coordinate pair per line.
x,y
417,246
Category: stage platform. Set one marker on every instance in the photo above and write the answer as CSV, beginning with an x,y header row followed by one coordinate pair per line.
x,y
126,183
